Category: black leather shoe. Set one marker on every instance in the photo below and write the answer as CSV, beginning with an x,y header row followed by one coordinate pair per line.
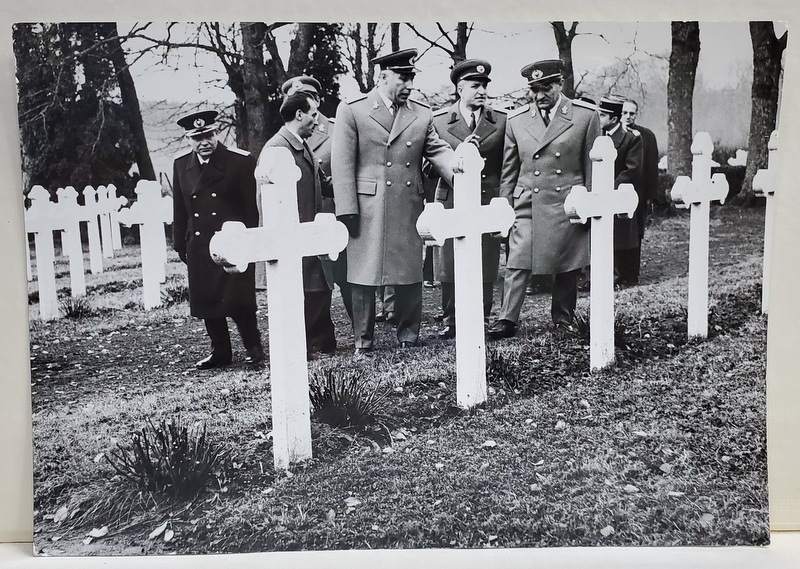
x,y
502,329
213,360
254,355
448,332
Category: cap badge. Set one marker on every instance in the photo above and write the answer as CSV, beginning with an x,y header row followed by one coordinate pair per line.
x,y
297,85
374,104
480,69
321,127
537,74
199,123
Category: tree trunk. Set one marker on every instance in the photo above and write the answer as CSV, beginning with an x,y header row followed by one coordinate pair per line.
x,y
299,49
395,36
254,108
767,53
130,101
680,89
564,39
462,36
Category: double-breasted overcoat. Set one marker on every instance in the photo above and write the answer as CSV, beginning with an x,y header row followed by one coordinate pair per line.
x,y
648,184
309,199
376,162
541,163
627,170
491,131
205,197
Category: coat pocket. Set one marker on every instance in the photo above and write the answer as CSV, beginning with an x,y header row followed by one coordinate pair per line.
x,y
518,192
367,187
442,192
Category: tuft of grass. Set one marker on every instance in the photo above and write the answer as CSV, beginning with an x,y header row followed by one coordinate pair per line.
x,y
175,294
168,458
344,398
506,374
76,307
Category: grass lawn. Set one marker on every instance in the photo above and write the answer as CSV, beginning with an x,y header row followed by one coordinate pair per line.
x,y
668,447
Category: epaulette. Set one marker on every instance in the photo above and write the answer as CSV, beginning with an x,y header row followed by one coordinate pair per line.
x,y
440,112
501,111
238,150
361,97
518,111
421,104
182,152
634,131
584,104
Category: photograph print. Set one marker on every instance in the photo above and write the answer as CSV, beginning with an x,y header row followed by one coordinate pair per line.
x,y
319,286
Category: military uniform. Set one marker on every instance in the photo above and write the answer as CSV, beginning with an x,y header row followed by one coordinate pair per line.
x,y
627,170
376,164
204,197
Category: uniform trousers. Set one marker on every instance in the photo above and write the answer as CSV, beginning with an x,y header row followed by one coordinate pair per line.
x,y
217,329
449,301
320,333
407,309
564,300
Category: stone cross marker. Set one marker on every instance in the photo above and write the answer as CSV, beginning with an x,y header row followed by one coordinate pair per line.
x,y
113,199
764,184
70,215
93,229
697,193
282,243
150,212
465,223
41,219
107,205
601,204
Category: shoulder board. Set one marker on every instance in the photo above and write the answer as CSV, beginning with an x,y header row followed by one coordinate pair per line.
x,y
361,97
182,152
500,111
634,131
440,112
421,104
584,104
519,111
238,150
331,120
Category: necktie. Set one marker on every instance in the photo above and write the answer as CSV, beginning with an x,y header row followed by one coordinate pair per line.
x,y
546,117
472,123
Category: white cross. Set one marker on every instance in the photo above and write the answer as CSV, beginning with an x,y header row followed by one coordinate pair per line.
x,y
601,204
465,223
698,192
93,229
71,246
107,205
764,184
150,212
282,243
41,219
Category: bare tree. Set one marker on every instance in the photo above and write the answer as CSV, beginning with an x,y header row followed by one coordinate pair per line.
x,y
361,44
395,36
564,38
680,89
452,42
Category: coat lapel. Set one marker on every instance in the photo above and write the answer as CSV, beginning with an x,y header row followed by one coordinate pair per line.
x,y
405,116
456,124
561,121
379,112
487,125
295,144
209,174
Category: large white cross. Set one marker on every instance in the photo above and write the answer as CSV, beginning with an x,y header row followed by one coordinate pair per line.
x,y
150,212
465,223
107,205
601,204
698,192
71,217
282,243
41,219
93,229
764,184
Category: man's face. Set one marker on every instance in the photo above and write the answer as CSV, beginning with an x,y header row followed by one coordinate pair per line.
x,y
397,86
472,93
307,122
204,144
629,112
607,120
545,96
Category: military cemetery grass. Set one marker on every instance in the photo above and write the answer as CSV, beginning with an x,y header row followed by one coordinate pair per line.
x,y
665,448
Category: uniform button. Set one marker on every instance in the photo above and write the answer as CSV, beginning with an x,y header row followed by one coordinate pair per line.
x,y
213,213
319,160
536,173
197,233
213,195
483,175
408,183
535,190
388,163
558,188
388,182
408,164
197,215
408,143
558,155
558,171
535,156
194,197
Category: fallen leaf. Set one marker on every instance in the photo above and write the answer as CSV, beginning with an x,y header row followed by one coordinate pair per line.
x,y
585,404
99,532
676,494
439,465
528,421
641,434
665,468
606,531
489,444
168,535
61,515
541,462
331,516
631,489
388,450
352,502
98,457
158,531
706,520
87,541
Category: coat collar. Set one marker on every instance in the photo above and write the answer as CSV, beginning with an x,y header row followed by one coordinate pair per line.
x,y
211,172
458,127
295,143
561,121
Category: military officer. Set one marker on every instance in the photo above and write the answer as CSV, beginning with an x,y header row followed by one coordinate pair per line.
x,y
647,189
627,170
212,184
378,147
470,118
546,153
300,116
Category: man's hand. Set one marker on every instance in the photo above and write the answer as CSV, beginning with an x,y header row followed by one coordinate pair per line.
x,y
352,222
182,256
474,139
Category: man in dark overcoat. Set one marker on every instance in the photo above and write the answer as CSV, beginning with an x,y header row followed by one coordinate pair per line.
x,y
470,118
630,263
300,115
627,170
213,183
376,161
546,153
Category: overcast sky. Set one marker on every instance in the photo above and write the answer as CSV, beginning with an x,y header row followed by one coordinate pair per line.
x,y
725,53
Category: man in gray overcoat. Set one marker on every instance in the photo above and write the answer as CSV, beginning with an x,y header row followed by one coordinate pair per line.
x,y
546,153
212,184
470,118
376,161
